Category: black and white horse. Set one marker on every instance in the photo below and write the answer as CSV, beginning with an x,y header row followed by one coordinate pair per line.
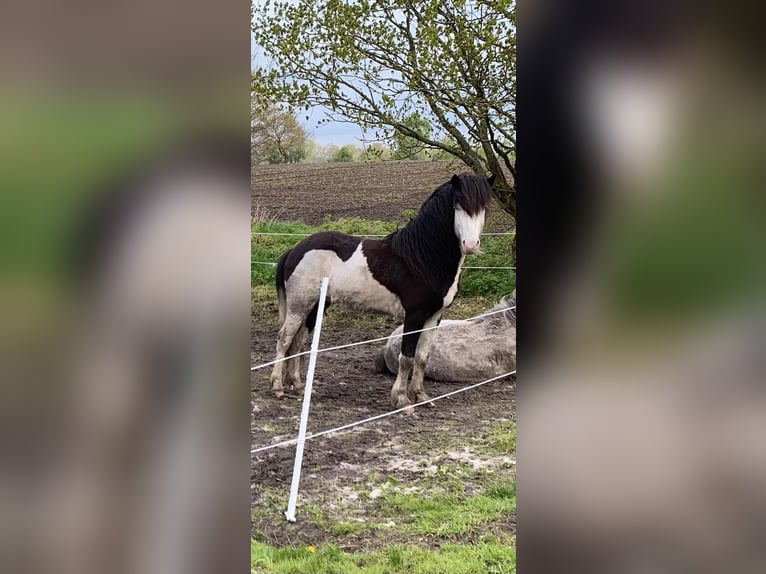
x,y
413,272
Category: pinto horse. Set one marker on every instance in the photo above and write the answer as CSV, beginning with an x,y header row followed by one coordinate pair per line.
x,y
413,272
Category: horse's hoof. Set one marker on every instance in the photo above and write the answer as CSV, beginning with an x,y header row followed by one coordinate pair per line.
x,y
400,401
278,393
422,398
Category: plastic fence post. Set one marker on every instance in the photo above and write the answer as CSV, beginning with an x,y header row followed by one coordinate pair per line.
x,y
290,512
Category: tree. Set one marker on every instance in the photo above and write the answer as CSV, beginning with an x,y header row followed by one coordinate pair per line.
x,y
276,136
376,62
440,153
324,154
375,152
346,153
310,151
408,147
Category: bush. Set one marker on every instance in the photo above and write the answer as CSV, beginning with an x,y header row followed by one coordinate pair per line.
x,y
346,153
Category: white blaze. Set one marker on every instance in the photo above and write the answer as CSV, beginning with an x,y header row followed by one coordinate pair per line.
x,y
468,229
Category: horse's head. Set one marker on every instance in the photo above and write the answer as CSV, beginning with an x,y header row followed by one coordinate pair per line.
x,y
472,194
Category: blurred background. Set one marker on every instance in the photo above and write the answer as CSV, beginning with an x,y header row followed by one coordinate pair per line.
x,y
642,404
124,286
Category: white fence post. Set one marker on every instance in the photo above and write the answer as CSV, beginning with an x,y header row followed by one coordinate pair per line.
x,y
290,512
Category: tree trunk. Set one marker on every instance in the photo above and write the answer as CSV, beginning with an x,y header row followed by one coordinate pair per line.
x,y
505,193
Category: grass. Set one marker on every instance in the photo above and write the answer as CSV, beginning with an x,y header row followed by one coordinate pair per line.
x,y
451,509
449,514
502,438
345,528
488,555
453,520
454,504
490,283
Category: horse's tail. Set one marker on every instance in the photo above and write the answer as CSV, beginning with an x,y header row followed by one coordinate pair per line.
x,y
281,294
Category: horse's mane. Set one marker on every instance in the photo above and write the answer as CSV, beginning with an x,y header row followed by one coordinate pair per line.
x,y
474,192
428,244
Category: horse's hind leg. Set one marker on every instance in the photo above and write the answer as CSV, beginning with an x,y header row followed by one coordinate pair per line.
x,y
416,392
287,332
294,365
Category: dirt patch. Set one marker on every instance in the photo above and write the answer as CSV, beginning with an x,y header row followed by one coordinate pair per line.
x,y
347,471
310,192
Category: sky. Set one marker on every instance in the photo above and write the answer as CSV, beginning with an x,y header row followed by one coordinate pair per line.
x,y
330,133
337,133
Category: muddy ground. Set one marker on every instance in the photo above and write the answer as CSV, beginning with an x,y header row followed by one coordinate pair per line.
x,y
344,473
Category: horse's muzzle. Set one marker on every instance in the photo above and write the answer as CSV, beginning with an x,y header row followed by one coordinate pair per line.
x,y
469,248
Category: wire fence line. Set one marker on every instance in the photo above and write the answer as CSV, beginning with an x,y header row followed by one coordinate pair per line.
x,y
307,234
270,264
379,339
276,233
380,416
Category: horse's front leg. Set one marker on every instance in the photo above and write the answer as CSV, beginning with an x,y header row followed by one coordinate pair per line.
x,y
412,322
416,391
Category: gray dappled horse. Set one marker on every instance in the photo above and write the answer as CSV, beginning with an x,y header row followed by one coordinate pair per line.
x,y
413,272
465,351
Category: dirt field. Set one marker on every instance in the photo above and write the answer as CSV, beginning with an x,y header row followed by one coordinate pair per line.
x,y
308,192
343,472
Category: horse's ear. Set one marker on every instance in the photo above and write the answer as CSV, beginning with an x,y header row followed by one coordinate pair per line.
x,y
455,181
491,180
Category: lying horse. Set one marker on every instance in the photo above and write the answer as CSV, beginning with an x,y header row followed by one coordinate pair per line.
x,y
465,351
413,272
